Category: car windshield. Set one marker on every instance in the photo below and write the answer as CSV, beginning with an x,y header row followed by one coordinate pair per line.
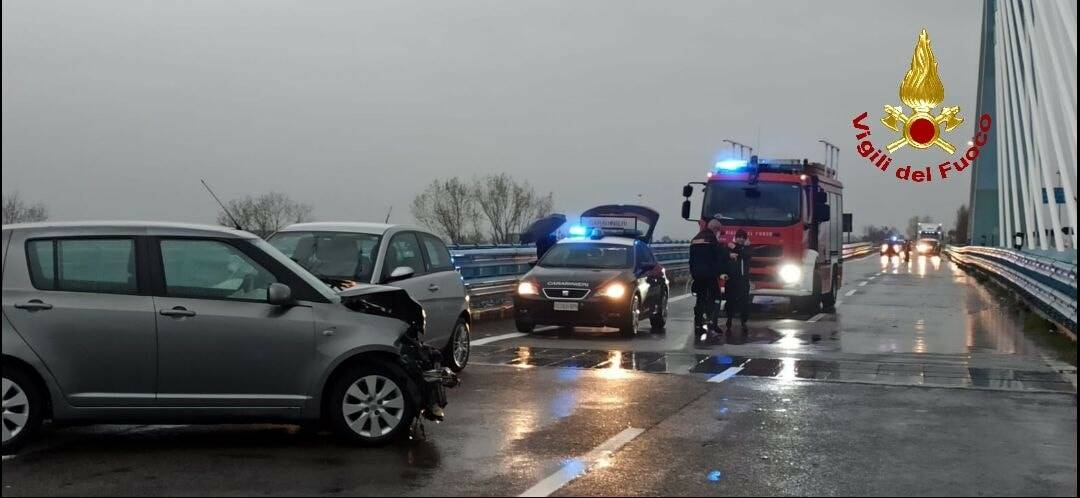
x,y
763,204
587,255
332,256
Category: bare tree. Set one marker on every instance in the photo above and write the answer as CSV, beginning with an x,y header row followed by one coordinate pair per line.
x,y
508,205
266,213
17,210
877,234
448,208
961,231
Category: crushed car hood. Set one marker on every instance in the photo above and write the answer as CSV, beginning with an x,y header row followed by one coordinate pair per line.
x,y
386,301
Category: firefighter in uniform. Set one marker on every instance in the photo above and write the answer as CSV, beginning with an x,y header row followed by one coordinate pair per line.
x,y
708,264
738,284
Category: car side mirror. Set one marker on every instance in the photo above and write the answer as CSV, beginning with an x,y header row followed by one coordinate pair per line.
x,y
401,273
279,294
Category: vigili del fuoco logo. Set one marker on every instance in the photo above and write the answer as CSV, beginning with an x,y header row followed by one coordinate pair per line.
x,y
922,91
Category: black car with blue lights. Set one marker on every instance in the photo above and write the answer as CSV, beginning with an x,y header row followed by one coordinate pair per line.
x,y
602,275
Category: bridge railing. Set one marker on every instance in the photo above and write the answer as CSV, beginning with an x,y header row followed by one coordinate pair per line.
x,y
1048,285
491,272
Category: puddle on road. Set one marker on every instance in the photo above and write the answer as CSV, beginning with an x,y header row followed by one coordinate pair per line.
x,y
572,363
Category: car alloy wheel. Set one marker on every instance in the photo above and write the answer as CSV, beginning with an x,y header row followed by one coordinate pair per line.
x,y
460,347
373,406
16,409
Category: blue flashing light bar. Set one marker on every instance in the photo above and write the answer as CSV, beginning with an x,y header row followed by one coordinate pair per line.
x,y
731,164
578,231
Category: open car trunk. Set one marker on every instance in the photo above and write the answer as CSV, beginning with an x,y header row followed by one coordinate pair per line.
x,y
630,220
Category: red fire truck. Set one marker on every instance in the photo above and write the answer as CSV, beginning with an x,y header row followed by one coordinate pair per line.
x,y
792,211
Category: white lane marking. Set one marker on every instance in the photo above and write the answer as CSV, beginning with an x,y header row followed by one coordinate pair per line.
x,y
496,338
863,283
679,298
873,277
725,375
9,457
579,466
851,292
818,316
839,302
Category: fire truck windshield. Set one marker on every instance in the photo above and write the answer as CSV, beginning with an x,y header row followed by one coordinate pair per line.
x,y
763,204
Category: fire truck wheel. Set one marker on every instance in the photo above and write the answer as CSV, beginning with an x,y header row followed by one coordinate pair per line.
x,y
811,304
828,301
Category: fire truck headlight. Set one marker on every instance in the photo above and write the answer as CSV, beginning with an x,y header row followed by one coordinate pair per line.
x,y
923,247
897,247
884,247
790,273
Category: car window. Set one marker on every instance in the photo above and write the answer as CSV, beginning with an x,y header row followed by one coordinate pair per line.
x,y
84,265
588,255
39,254
333,256
211,269
644,254
404,250
438,256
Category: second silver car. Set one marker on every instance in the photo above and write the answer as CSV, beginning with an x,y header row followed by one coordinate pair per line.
x,y
349,254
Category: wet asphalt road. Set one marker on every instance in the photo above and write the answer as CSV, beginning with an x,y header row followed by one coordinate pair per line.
x,y
923,383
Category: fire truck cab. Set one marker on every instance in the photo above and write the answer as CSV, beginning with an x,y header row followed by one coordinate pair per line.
x,y
793,213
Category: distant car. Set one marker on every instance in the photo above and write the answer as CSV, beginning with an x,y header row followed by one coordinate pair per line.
x,y
592,279
896,246
151,323
348,254
928,246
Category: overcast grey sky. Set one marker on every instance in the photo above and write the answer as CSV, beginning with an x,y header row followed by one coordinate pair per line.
x,y
115,109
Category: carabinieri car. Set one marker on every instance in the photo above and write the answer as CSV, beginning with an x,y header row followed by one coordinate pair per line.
x,y
603,275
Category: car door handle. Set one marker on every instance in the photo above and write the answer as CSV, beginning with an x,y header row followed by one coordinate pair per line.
x,y
177,312
34,305
433,288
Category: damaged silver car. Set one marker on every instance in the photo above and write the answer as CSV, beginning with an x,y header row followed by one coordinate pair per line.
x,y
159,323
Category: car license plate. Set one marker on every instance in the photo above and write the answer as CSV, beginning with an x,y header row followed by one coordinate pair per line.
x,y
561,306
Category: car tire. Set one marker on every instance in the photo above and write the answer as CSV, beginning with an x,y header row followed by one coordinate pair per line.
x,y
458,349
629,328
23,405
658,320
523,326
370,405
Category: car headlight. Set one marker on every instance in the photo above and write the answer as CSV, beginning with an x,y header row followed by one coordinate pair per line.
x,y
884,247
527,289
897,247
614,291
790,273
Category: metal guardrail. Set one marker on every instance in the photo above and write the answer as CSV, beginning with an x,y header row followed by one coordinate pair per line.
x,y
1046,284
492,272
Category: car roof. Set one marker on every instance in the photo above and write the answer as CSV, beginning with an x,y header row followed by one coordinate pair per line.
x,y
623,241
131,227
348,227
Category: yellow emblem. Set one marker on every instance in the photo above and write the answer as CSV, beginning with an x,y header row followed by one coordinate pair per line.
x,y
922,91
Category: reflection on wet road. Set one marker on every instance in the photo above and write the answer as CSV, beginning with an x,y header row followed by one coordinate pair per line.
x,y
926,306
922,382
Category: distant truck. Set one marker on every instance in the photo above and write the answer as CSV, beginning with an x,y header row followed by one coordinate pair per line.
x,y
929,239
